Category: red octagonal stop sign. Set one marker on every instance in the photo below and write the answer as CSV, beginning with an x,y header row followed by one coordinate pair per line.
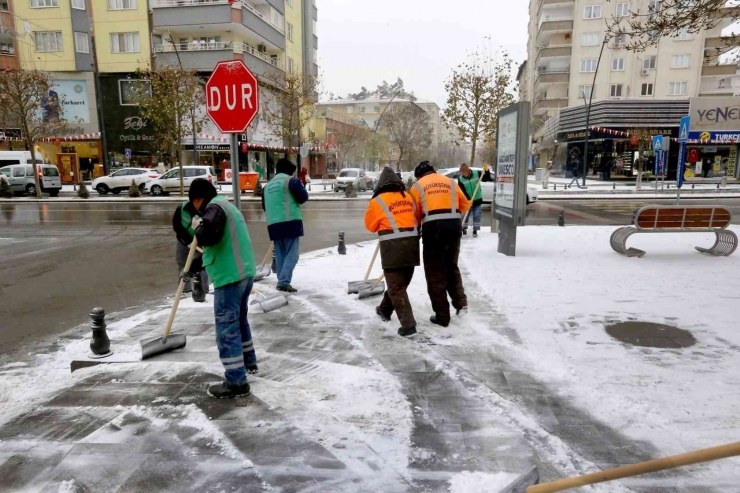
x,y
232,96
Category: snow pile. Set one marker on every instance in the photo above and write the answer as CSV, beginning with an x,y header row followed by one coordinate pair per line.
x,y
480,482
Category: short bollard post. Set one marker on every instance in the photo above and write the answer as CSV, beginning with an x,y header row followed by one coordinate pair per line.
x,y
614,186
100,343
555,185
342,248
693,185
561,218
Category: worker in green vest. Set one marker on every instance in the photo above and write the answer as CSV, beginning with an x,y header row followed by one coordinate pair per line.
x,y
281,200
181,220
468,181
229,260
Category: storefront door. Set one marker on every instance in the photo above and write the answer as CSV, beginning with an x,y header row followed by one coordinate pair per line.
x,y
68,168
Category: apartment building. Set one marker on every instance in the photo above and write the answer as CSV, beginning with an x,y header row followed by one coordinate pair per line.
x,y
8,58
565,39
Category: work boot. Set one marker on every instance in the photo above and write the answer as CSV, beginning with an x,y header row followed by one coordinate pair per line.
x,y
475,234
226,391
437,321
382,315
407,332
287,289
465,232
462,311
252,369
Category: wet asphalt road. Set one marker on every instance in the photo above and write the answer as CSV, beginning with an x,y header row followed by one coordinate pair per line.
x,y
57,261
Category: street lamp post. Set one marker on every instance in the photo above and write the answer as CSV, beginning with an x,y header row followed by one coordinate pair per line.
x,y
588,111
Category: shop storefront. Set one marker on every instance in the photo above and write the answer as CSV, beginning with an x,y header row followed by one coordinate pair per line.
x,y
714,132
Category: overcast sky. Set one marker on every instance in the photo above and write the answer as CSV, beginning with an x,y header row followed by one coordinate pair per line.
x,y
362,42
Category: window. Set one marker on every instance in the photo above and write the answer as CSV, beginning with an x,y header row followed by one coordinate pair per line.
x,y
590,39
620,40
653,35
647,90
585,92
40,4
175,173
350,109
193,172
289,2
203,43
617,64
78,4
124,43
623,10
47,42
683,35
291,65
681,61
19,172
121,4
654,6
81,43
649,62
588,65
362,109
678,88
129,91
49,171
290,31
376,109
4,5
592,12
616,91
7,48
392,151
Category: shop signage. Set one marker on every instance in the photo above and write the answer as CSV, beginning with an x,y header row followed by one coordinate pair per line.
x,y
715,114
10,133
211,147
716,137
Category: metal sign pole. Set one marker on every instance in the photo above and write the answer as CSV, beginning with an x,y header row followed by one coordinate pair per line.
x,y
235,188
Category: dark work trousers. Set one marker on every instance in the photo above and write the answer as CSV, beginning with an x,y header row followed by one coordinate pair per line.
x,y
181,256
443,276
396,298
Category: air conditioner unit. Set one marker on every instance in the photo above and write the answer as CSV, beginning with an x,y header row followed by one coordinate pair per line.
x,y
645,72
261,48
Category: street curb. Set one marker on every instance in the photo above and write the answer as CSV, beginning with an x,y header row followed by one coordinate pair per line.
x,y
71,200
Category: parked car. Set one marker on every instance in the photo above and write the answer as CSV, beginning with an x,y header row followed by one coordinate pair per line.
x,y
372,179
170,181
20,178
487,187
120,181
356,176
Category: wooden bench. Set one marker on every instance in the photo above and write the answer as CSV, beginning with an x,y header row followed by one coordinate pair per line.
x,y
679,219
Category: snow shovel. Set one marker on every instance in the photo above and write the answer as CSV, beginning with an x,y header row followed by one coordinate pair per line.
x,y
167,343
269,303
264,269
465,218
354,287
375,289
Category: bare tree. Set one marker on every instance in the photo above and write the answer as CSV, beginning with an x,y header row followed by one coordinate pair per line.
x,y
28,102
476,91
641,30
407,126
295,96
351,142
168,100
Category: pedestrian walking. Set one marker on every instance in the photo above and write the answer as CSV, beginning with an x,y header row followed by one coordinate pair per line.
x,y
576,175
281,200
440,204
391,213
181,223
229,259
468,182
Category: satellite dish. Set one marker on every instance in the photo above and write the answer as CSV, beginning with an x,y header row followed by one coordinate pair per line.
x,y
27,27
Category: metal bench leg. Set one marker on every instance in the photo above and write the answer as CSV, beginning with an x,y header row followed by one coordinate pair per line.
x,y
618,242
724,245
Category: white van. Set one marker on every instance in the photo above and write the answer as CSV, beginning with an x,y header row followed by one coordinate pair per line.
x,y
20,178
18,157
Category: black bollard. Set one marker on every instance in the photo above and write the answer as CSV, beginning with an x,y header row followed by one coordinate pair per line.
x,y
555,185
692,185
561,218
614,186
342,248
100,343
199,290
274,262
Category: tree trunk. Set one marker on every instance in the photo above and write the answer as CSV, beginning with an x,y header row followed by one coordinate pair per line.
x,y
34,168
472,153
400,159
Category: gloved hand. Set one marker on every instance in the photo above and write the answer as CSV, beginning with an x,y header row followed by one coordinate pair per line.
x,y
186,276
196,222
485,168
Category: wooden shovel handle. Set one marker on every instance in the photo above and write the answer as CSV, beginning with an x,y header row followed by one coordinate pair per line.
x,y
377,281
181,287
372,262
704,455
269,251
465,218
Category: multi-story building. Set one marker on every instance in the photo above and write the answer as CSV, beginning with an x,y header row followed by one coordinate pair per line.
x,y
565,39
8,58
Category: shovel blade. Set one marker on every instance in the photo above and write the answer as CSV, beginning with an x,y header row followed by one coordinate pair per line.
x,y
354,287
520,484
372,291
262,272
157,345
273,302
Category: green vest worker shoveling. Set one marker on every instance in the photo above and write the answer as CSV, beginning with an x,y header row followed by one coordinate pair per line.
x,y
281,201
468,182
229,260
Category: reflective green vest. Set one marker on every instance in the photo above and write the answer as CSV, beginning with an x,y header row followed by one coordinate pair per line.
x,y
469,185
280,206
187,219
232,260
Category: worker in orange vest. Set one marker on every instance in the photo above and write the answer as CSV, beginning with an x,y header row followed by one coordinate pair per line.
x,y
391,214
440,205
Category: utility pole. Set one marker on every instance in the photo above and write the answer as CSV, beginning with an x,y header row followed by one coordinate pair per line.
x,y
99,100
588,111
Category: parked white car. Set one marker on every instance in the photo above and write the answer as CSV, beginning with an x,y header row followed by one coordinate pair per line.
x,y
120,180
170,181
356,176
487,187
20,178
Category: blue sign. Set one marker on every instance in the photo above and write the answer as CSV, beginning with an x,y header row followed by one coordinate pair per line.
x,y
127,152
658,143
681,165
683,129
725,137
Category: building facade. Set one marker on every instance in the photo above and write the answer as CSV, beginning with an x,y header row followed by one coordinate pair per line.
x,y
8,57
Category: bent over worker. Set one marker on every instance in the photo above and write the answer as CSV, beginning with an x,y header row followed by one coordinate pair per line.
x,y
392,215
229,261
439,207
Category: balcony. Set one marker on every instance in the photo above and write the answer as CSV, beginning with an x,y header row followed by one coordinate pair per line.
x,y
553,23
181,16
719,86
554,3
553,51
721,69
552,75
542,104
204,57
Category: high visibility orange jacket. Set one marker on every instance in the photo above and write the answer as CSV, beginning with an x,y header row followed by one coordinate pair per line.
x,y
393,216
438,198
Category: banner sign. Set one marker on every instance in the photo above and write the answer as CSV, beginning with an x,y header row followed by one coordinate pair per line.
x,y
718,114
506,165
